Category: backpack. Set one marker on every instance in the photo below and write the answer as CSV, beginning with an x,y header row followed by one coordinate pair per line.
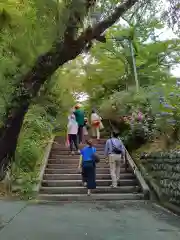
x,y
115,149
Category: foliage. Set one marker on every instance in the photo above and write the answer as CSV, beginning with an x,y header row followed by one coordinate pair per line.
x,y
110,82
166,108
110,66
27,29
47,115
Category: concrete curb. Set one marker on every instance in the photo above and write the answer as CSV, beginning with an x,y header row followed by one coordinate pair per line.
x,y
173,208
44,163
151,182
144,185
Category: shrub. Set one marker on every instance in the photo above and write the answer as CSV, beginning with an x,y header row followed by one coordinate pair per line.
x,y
167,112
122,109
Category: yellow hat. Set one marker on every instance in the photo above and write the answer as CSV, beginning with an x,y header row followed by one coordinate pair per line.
x,y
78,105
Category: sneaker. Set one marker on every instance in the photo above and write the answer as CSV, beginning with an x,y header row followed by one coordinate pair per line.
x,y
72,153
89,192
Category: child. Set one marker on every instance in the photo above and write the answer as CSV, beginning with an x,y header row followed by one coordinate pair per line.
x,y
88,166
72,130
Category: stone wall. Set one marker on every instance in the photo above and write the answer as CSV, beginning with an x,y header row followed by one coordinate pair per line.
x,y
164,170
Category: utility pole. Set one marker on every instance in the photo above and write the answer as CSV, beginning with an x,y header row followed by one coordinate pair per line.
x,y
134,65
133,58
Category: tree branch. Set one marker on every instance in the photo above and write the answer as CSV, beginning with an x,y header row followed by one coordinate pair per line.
x,y
100,27
61,52
76,16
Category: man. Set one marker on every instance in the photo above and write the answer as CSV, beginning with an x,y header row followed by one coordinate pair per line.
x,y
115,152
79,114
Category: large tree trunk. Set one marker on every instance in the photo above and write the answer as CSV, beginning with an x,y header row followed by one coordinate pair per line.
x,y
63,51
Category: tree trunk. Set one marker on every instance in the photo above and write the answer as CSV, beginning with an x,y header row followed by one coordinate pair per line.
x,y
44,67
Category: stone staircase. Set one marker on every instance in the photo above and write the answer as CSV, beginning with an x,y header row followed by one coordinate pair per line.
x,y
62,182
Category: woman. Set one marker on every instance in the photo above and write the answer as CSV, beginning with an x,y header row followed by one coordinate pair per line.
x,y
79,114
72,130
85,128
88,166
95,123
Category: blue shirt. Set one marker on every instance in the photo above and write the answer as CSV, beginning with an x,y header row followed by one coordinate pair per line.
x,y
116,142
87,152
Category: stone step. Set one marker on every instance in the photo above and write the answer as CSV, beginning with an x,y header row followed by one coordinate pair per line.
x,y
75,165
62,140
99,182
74,170
75,161
63,145
94,197
63,166
63,161
67,152
64,148
69,156
76,176
82,190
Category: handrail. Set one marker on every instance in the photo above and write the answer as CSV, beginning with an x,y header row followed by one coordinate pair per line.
x,y
44,164
139,176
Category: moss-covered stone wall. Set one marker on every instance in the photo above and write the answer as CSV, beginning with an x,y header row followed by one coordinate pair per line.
x,y
164,170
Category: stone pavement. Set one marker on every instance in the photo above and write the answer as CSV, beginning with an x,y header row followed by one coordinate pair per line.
x,y
91,221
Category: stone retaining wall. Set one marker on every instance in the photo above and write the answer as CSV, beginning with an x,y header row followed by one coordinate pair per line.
x,y
164,170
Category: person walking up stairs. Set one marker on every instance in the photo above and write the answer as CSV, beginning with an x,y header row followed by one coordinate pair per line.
x,y
72,129
115,153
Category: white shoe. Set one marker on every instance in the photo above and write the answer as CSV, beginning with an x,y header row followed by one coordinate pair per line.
x,y
89,192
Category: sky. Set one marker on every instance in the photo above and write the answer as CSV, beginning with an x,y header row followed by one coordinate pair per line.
x,y
167,33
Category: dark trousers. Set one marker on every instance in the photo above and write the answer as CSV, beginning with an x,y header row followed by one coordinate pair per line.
x,y
89,176
73,141
80,134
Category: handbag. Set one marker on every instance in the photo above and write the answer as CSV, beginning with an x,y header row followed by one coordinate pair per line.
x,y
95,158
101,126
115,149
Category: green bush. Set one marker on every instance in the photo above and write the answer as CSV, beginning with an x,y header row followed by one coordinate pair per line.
x,y
127,104
33,138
